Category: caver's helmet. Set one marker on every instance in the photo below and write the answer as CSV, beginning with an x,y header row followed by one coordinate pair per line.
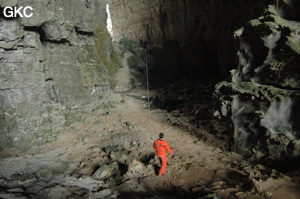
x,y
161,135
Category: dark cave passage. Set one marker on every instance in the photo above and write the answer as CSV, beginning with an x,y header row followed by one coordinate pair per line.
x,y
193,39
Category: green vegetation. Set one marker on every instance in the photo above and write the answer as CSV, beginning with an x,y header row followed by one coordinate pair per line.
x,y
107,54
132,61
132,83
128,45
140,53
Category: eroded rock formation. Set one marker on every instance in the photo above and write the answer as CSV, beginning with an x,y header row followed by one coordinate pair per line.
x,y
58,58
263,97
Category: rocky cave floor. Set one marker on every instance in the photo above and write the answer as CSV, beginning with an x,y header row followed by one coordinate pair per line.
x,y
108,154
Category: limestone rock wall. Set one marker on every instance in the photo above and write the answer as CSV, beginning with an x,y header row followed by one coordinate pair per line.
x,y
263,97
136,19
187,37
48,62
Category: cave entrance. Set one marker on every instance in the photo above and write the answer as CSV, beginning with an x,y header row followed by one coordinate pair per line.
x,y
108,22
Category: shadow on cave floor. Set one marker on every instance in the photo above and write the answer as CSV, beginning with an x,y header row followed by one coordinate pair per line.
x,y
205,191
289,166
195,102
173,193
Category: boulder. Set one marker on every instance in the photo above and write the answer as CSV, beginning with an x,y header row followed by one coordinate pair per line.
x,y
44,174
121,157
58,192
138,169
110,149
105,194
106,171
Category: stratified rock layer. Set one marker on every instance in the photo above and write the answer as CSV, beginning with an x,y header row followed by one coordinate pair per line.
x,y
263,98
50,61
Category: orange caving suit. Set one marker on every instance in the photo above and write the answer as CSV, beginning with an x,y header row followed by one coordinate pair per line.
x,y
161,147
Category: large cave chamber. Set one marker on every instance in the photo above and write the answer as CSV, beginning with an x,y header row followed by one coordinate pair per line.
x,y
247,51
86,86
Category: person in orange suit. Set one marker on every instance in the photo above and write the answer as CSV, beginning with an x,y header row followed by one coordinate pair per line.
x,y
161,147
